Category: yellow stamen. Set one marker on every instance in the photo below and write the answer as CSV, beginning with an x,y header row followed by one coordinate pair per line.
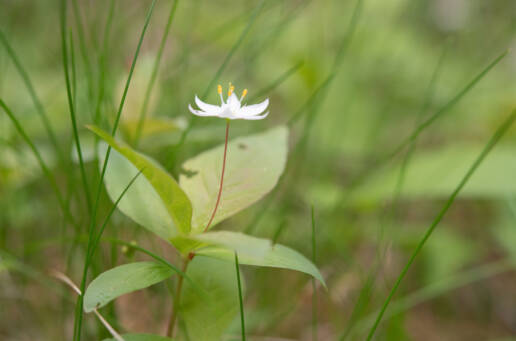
x,y
244,93
231,89
219,89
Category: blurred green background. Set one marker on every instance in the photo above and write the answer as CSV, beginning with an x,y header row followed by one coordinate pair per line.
x,y
357,77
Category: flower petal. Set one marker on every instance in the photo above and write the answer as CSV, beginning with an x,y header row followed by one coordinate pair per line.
x,y
200,112
259,117
254,109
209,108
234,102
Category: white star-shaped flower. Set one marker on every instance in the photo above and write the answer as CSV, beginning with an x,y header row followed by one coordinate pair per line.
x,y
232,109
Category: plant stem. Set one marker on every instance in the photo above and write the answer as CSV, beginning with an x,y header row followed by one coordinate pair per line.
x,y
191,255
240,299
221,178
177,297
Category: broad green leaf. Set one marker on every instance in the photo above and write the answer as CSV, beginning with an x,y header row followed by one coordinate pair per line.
x,y
174,199
435,174
141,202
207,318
254,251
254,165
122,280
141,337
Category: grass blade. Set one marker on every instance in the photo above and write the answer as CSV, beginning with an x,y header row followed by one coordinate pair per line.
x,y
339,57
82,47
78,317
443,286
282,78
152,80
71,106
32,93
489,146
314,288
42,164
446,107
424,125
240,299
366,290
102,63
110,213
216,77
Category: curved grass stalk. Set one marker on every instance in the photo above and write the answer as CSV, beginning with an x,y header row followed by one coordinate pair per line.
x,y
32,93
489,146
154,74
42,164
78,319
71,104
216,77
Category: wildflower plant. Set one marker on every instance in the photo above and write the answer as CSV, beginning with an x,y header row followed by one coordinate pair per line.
x,y
217,184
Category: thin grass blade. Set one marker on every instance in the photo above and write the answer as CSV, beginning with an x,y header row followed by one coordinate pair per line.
x,y
489,146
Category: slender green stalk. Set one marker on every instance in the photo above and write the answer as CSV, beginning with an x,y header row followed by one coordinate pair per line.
x,y
102,63
424,107
71,106
42,164
360,305
282,78
278,232
155,69
314,288
108,217
339,57
424,125
177,298
446,107
489,146
32,93
78,319
366,290
216,77
443,286
314,102
240,298
83,48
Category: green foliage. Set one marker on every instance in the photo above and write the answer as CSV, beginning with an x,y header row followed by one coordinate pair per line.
x,y
175,200
434,174
255,251
122,280
207,318
254,165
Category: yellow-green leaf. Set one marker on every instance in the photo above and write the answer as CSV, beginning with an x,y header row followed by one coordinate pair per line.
x,y
175,200
254,165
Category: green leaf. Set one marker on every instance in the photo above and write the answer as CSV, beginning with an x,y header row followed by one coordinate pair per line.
x,y
161,183
254,165
435,174
122,280
207,318
254,251
141,337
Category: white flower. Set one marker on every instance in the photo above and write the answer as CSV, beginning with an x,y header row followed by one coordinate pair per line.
x,y
232,109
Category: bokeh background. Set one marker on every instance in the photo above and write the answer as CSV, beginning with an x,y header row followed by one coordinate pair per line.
x,y
353,79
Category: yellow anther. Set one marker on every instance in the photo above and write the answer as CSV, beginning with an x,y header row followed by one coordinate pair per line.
x,y
244,93
219,89
231,89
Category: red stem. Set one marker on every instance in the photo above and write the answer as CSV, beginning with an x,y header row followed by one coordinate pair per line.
x,y
221,178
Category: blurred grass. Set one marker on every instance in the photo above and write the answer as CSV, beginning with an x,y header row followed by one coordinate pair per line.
x,y
346,123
